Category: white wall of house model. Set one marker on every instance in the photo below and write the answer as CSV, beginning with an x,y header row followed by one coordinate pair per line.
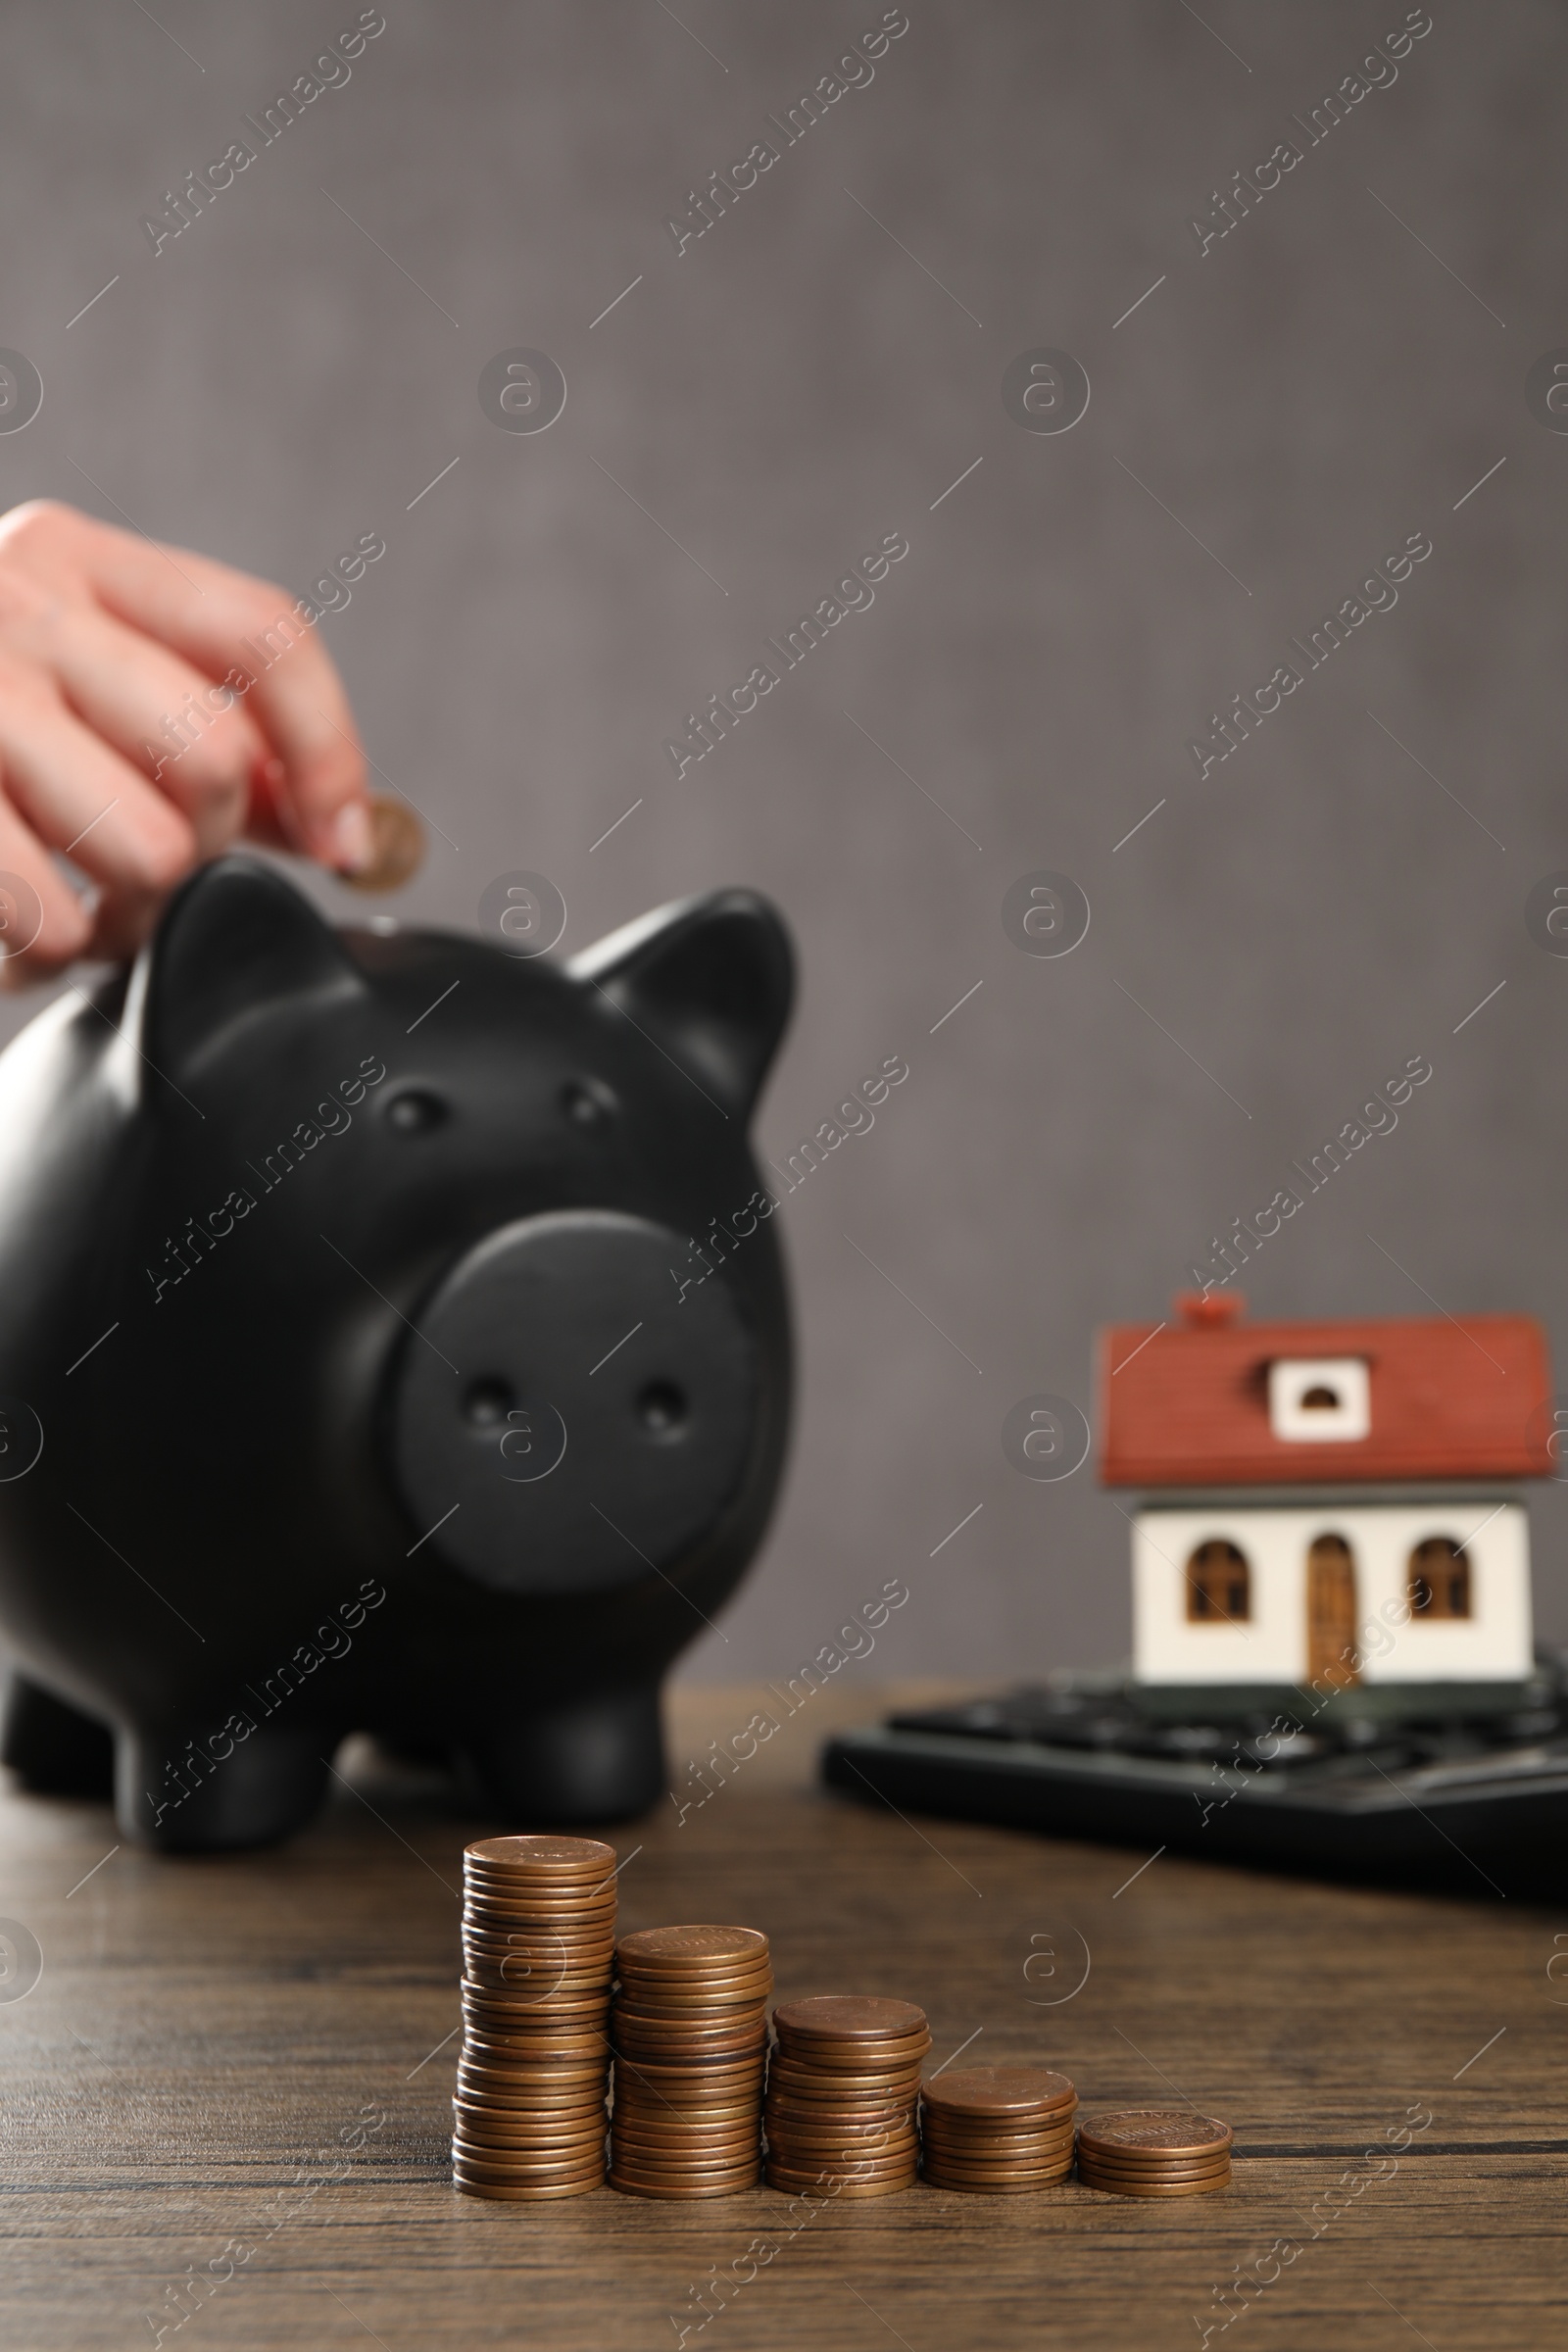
x,y
1492,1642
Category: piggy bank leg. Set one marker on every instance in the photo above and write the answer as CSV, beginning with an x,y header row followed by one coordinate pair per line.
x,y
592,1760
52,1747
173,1792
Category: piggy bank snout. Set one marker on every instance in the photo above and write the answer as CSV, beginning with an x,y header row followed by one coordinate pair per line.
x,y
570,1412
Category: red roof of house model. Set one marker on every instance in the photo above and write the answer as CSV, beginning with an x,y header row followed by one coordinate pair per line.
x,y
1186,1403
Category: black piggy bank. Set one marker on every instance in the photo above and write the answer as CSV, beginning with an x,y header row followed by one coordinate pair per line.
x,y
393,1337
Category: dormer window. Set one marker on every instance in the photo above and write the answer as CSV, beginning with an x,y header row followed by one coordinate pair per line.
x,y
1319,1399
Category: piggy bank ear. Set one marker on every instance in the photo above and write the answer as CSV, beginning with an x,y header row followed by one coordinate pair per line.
x,y
710,980
233,942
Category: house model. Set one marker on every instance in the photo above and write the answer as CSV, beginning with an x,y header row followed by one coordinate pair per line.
x,y
1328,1512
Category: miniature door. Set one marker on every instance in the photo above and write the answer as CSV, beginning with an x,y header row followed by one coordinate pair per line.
x,y
1331,1613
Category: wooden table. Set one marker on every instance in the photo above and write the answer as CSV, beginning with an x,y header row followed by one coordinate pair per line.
x,y
252,2055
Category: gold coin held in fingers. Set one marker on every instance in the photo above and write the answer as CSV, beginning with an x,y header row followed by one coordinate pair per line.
x,y
399,847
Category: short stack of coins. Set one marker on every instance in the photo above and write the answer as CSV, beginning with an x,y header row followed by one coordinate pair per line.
x,y
690,2030
1155,2153
538,1938
997,2129
842,2087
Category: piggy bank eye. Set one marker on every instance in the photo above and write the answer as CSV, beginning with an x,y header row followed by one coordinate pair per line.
x,y
587,1103
414,1113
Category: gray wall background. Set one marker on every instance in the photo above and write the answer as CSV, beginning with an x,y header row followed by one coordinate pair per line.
x,y
800,381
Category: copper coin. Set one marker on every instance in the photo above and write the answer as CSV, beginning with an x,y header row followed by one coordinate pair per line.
x,y
991,2188
1102,2176
525,2112
575,1997
551,1854
1155,2134
398,847
811,2155
526,1990
680,2016
498,2164
495,2088
478,2180
563,2155
582,1966
574,2049
529,1927
671,2191
541,1914
665,1993
639,2165
495,2155
660,2111
987,2091
470,2187
577,2103
882,2133
549,1975
707,2024
633,2039
684,2090
1047,2167
480,2131
858,2058
694,1947
866,2129
874,2150
593,1905
665,2132
592,1896
1155,2188
505,2020
835,2185
641,1993
846,2017
948,2135
854,2091
680,2130
847,2161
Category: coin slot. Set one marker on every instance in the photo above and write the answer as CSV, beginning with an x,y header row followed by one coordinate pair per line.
x,y
663,1409
487,1404
415,1112
587,1103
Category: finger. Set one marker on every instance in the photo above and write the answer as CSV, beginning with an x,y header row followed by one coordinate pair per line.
x,y
192,738
82,797
64,926
221,621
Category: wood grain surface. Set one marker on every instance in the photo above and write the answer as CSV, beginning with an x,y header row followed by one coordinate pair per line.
x,y
238,2070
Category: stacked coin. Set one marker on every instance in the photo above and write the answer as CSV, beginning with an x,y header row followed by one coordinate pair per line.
x,y
690,2024
997,2128
538,1935
1155,2153
842,2089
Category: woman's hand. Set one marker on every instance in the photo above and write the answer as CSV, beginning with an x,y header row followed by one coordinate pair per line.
x,y
154,707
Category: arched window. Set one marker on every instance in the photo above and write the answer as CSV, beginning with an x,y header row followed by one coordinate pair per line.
x,y
1219,1584
1440,1578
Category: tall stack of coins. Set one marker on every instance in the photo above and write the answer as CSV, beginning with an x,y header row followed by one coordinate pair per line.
x,y
690,2028
1155,2153
997,2128
841,2094
538,1935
